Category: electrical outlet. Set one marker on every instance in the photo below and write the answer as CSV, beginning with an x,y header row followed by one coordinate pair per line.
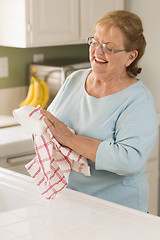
x,y
3,67
38,58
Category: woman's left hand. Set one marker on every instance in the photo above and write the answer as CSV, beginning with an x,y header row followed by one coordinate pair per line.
x,y
58,129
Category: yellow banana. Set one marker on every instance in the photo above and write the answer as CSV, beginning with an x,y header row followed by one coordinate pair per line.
x,y
45,95
30,94
37,93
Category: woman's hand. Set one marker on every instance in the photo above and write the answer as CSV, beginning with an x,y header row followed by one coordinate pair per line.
x,y
58,129
85,146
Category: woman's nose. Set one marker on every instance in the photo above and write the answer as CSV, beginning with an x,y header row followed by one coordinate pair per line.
x,y
99,49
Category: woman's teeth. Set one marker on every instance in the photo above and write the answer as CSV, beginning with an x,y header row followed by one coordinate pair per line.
x,y
100,60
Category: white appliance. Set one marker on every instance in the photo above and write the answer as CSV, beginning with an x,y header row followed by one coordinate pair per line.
x,y
56,72
16,145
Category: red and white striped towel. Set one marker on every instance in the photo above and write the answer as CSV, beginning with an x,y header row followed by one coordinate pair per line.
x,y
51,167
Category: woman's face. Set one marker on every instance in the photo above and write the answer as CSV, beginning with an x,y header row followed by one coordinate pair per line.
x,y
105,63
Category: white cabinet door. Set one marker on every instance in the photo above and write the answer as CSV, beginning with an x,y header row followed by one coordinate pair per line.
x,y
152,175
53,22
13,23
91,10
38,23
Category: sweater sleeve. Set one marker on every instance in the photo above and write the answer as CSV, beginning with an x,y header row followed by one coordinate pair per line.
x,y
135,135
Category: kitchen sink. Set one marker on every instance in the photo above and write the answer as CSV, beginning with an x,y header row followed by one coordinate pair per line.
x,y
16,190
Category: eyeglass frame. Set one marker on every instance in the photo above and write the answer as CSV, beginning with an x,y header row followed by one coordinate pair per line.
x,y
104,46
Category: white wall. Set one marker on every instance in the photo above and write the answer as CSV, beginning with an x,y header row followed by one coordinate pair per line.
x,y
149,11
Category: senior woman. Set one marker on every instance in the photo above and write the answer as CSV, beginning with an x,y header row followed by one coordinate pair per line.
x,y
112,113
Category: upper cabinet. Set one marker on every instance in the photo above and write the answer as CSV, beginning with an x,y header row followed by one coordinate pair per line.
x,y
91,10
38,23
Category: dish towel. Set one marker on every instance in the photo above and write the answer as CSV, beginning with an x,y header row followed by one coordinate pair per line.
x,y
51,167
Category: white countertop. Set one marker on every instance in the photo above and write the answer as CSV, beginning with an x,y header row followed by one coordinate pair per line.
x,y
7,121
72,215
15,141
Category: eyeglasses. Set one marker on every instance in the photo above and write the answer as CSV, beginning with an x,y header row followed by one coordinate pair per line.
x,y
106,48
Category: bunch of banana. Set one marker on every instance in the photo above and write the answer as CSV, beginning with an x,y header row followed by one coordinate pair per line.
x,y
38,93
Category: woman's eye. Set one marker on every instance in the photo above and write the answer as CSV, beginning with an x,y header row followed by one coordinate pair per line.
x,y
109,48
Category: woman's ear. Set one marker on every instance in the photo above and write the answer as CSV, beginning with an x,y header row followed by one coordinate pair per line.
x,y
131,57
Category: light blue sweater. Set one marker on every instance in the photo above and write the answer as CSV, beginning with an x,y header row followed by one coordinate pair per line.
x,y
127,125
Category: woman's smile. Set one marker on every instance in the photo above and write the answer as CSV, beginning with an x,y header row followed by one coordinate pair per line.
x,y
101,61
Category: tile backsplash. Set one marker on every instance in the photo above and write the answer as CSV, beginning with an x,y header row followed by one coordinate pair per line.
x,y
10,99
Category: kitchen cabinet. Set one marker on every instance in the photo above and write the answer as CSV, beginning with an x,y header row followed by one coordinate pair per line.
x,y
152,175
38,23
91,10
